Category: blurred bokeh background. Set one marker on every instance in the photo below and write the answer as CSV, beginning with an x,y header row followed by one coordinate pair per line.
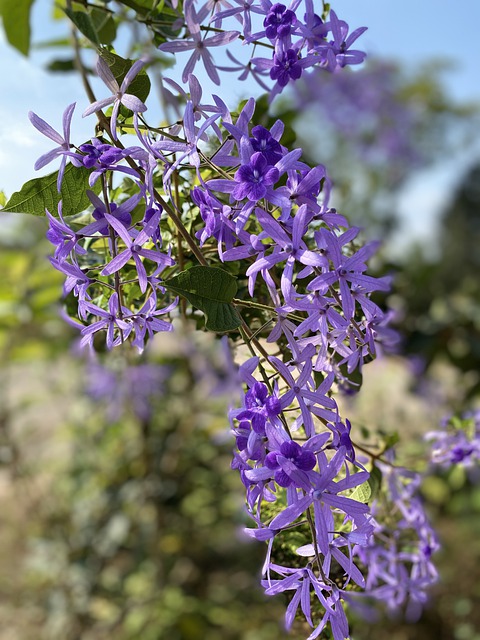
x,y
120,515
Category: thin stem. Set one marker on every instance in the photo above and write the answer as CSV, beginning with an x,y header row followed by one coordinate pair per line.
x,y
375,456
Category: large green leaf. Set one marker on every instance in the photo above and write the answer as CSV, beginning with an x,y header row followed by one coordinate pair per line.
x,y
16,22
211,290
41,193
95,24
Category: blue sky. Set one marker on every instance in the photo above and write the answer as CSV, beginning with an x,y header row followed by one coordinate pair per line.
x,y
407,30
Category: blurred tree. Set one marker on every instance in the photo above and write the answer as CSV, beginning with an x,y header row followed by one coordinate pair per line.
x,y
441,296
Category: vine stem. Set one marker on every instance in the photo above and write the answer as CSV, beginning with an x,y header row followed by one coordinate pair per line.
x,y
375,456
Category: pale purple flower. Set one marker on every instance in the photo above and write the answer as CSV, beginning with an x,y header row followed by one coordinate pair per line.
x,y
198,45
110,321
134,249
64,142
119,93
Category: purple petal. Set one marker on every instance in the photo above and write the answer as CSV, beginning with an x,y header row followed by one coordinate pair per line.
x,y
46,158
106,75
117,263
133,103
45,128
96,106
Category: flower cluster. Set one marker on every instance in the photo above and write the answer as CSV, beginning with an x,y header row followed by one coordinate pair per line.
x,y
297,37
92,257
399,555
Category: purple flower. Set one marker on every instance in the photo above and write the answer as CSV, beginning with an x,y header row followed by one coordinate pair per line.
x,y
254,178
77,281
286,67
64,143
288,461
456,443
259,407
100,154
200,46
263,142
338,50
279,22
120,212
119,93
64,238
347,270
134,249
110,320
146,321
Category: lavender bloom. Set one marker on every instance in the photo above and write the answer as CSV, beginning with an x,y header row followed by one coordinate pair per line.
x,y
119,93
347,270
64,143
338,50
200,46
77,281
120,212
62,236
134,249
398,557
242,13
146,321
307,398
110,320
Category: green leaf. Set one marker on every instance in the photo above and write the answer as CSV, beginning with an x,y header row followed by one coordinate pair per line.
x,y
63,66
16,23
41,193
211,290
362,493
142,7
84,24
104,26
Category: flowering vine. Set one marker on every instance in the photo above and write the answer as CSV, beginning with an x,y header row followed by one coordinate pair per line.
x,y
214,213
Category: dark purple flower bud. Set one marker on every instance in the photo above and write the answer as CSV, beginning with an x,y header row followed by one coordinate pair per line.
x,y
265,143
100,154
279,22
286,67
254,178
289,452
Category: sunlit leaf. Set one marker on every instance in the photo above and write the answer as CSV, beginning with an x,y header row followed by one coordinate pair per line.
x,y
41,193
